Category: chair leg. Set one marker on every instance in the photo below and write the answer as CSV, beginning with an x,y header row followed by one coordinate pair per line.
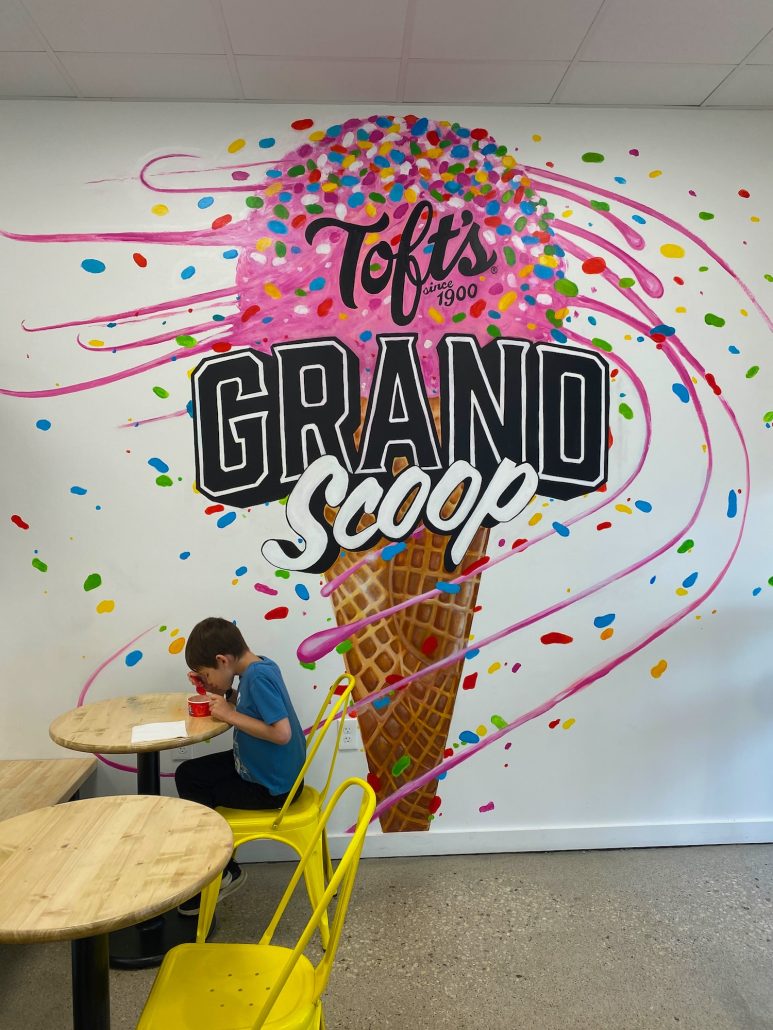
x,y
314,875
328,865
207,908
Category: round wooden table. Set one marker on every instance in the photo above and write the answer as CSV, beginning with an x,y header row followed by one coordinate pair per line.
x,y
79,870
106,727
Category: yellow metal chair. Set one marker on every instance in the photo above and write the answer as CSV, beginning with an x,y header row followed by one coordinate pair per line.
x,y
294,824
250,986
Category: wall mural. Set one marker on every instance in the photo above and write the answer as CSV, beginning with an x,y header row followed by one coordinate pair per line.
x,y
408,360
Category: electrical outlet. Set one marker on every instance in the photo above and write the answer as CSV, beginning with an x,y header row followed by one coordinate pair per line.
x,y
181,754
350,737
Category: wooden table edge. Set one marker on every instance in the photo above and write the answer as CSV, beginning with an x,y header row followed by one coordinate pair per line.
x,y
104,926
166,744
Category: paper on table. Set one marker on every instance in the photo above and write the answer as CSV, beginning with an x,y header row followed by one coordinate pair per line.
x,y
158,731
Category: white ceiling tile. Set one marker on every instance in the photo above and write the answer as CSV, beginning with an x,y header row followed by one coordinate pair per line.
x,y
501,29
16,30
31,75
267,78
151,76
632,85
316,28
763,54
141,26
750,86
482,82
682,31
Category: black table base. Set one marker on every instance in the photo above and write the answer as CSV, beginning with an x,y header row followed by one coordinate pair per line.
x,y
148,773
90,984
144,945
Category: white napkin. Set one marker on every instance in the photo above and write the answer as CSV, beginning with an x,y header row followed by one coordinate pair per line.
x,y
158,731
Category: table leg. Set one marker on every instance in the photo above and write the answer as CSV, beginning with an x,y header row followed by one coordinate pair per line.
x,y
148,773
144,945
90,984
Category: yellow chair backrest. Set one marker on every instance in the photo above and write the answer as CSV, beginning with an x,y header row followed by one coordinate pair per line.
x,y
341,689
342,884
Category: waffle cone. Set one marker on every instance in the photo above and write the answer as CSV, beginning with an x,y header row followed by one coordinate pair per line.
x,y
406,734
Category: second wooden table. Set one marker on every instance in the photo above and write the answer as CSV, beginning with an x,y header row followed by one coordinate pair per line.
x,y
79,870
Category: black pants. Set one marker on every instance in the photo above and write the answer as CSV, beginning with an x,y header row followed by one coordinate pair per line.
x,y
212,780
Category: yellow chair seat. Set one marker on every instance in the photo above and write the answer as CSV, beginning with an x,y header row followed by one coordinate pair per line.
x,y
186,995
248,823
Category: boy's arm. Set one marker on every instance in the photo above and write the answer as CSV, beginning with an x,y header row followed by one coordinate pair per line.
x,y
278,732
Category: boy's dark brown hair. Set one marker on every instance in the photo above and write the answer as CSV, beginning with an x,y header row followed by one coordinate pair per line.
x,y
212,637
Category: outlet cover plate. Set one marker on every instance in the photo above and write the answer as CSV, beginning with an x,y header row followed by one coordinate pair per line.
x,y
350,737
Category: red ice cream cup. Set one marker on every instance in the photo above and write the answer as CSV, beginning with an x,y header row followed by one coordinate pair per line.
x,y
198,706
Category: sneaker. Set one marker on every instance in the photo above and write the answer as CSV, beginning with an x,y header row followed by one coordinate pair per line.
x,y
233,878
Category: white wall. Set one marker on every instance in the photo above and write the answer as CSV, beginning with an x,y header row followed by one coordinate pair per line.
x,y
683,758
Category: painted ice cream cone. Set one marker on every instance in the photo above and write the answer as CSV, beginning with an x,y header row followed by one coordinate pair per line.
x,y
349,193
405,735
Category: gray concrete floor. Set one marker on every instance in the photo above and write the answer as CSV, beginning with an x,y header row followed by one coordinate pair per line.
x,y
606,940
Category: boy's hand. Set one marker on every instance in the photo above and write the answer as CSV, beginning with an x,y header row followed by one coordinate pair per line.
x,y
220,708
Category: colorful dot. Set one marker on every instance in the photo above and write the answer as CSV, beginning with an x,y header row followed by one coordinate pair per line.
x,y
277,613
93,265
672,250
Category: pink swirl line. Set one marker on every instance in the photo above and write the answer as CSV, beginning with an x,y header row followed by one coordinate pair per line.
x,y
370,558
204,237
139,314
244,188
151,341
148,421
59,391
649,281
629,234
87,686
670,222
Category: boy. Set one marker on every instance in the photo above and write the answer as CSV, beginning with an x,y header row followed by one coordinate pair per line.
x,y
269,747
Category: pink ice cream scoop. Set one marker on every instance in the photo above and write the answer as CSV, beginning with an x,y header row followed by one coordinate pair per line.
x,y
386,223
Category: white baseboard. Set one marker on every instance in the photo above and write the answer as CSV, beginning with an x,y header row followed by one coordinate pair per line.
x,y
554,838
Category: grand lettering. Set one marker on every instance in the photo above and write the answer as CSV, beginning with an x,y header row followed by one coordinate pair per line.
x,y
516,418
381,267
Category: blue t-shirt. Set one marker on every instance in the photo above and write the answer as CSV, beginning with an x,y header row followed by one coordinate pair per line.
x,y
262,694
